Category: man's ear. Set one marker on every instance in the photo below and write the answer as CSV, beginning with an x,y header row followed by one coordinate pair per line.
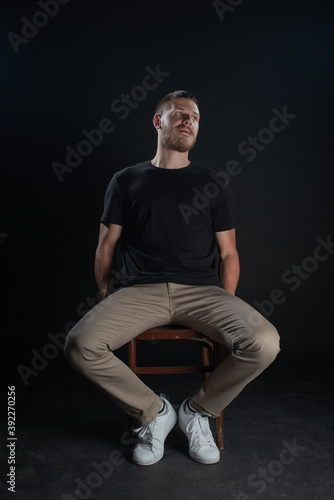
x,y
157,121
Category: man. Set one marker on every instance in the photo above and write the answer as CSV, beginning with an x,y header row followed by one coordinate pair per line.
x,y
174,221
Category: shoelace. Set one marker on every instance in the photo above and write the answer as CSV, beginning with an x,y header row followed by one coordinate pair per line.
x,y
200,431
145,434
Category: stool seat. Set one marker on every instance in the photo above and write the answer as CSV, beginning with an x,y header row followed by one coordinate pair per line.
x,y
179,334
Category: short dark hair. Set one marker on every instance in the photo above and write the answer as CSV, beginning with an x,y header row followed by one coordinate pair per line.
x,y
174,95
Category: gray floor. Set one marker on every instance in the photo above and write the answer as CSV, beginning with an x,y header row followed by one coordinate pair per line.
x,y
73,443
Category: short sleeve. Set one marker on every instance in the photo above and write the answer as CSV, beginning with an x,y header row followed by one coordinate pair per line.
x,y
223,219
113,208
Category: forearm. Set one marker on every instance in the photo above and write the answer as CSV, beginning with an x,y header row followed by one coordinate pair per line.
x,y
103,265
230,272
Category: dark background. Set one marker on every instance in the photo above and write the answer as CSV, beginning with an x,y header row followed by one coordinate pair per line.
x,y
262,55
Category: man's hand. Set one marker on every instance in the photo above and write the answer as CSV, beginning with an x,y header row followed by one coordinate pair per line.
x,y
105,292
229,266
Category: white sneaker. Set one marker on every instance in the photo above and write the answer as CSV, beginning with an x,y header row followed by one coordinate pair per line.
x,y
150,446
195,425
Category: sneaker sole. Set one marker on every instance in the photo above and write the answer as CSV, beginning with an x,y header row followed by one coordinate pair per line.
x,y
137,462
206,461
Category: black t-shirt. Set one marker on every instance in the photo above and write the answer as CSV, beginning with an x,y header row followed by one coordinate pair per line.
x,y
169,219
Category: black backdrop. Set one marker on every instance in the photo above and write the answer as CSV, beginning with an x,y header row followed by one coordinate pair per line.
x,y
246,61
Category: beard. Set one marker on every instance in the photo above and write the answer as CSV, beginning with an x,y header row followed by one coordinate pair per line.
x,y
174,142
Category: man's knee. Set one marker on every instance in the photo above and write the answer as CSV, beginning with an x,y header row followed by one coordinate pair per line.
x,y
260,342
79,342
267,341
73,346
84,344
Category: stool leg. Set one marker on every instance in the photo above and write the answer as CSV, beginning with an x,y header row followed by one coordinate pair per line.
x,y
220,431
132,355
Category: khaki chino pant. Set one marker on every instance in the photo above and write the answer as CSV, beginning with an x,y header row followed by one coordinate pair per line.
x,y
126,313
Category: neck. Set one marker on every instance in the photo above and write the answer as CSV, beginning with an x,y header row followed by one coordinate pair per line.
x,y
165,158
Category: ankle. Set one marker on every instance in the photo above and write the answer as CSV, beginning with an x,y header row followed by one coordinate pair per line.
x,y
191,409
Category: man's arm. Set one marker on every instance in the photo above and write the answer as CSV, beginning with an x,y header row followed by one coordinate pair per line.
x,y
109,235
229,269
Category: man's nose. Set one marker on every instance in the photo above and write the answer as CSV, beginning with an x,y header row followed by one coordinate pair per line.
x,y
187,119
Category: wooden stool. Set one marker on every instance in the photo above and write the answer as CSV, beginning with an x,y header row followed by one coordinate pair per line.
x,y
176,333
